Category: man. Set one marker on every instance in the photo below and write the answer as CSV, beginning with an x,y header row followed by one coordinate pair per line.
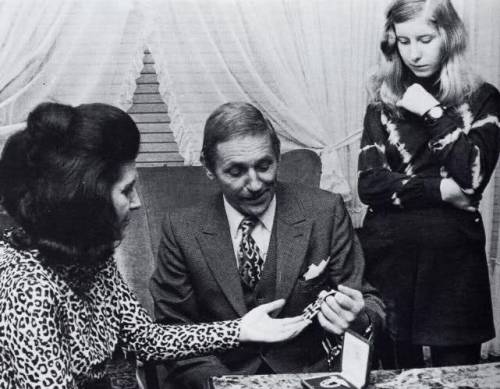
x,y
256,241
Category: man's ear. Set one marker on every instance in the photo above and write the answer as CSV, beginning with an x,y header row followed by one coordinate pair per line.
x,y
209,174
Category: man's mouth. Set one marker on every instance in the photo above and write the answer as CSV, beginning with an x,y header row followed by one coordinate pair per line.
x,y
256,199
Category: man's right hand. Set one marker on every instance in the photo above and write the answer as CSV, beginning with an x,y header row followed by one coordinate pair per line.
x,y
453,194
258,326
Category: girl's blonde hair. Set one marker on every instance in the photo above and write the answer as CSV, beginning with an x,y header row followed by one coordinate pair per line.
x,y
456,81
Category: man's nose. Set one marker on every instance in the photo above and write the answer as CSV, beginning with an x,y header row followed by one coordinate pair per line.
x,y
254,183
135,201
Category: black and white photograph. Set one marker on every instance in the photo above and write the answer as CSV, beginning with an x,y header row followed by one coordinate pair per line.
x,y
249,194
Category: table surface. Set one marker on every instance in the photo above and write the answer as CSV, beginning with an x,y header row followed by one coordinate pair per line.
x,y
485,375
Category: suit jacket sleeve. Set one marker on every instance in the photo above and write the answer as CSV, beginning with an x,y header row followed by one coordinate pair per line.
x,y
347,266
175,302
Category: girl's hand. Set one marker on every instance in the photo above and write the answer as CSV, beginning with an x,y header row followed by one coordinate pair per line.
x,y
258,326
453,194
417,100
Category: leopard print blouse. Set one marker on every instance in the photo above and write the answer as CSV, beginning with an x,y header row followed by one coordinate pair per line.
x,y
52,338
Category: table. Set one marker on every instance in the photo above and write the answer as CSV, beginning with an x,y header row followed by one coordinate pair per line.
x,y
485,375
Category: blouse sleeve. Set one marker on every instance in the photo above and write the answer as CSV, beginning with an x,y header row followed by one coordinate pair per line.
x,y
378,185
34,328
467,142
152,341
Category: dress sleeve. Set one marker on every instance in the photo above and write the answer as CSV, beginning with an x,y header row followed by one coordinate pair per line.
x,y
152,341
467,142
378,184
34,327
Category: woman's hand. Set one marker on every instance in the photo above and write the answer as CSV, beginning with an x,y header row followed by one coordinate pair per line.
x,y
453,194
258,326
417,100
340,310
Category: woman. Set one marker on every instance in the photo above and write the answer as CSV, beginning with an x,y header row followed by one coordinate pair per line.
x,y
429,146
68,180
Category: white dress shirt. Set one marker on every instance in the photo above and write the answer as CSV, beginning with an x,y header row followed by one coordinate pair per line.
x,y
261,233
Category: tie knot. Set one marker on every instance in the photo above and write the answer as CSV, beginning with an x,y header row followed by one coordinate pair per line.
x,y
248,223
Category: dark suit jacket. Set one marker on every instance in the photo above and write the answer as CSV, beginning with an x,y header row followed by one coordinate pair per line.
x,y
197,280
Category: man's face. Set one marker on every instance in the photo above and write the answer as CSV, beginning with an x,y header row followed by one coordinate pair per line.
x,y
246,169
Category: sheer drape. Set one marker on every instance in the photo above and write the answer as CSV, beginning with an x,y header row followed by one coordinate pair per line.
x,y
69,51
301,62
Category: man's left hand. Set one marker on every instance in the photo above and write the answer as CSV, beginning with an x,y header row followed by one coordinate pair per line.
x,y
339,311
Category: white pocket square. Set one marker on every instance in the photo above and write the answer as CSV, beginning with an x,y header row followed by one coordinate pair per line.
x,y
315,270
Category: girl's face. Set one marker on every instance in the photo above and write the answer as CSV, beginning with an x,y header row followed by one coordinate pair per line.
x,y
124,194
420,46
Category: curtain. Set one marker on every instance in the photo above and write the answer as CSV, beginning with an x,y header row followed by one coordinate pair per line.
x,y
66,51
299,61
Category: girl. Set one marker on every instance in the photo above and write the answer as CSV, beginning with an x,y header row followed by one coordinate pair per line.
x,y
430,144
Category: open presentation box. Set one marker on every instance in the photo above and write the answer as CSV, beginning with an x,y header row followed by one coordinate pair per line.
x,y
356,354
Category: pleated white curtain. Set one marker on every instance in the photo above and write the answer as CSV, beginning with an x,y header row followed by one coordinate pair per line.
x,y
68,51
301,62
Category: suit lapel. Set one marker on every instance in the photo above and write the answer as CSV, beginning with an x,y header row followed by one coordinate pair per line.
x,y
215,241
293,231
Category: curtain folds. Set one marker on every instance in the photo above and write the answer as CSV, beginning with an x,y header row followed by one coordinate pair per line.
x,y
72,52
299,61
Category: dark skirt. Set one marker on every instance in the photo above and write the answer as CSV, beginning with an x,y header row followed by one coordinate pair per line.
x,y
430,267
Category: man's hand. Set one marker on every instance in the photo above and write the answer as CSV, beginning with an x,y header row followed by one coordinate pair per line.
x,y
258,326
453,194
339,311
417,100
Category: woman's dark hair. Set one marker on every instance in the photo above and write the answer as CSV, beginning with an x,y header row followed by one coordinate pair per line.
x,y
232,120
56,178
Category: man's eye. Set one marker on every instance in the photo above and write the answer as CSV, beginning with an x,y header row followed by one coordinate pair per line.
x,y
263,166
235,172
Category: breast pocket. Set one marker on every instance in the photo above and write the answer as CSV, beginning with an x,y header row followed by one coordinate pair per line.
x,y
314,285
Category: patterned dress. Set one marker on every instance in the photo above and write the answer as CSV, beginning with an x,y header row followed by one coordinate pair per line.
x,y
52,338
425,256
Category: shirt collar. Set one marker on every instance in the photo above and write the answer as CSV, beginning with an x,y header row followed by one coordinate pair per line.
x,y
235,217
